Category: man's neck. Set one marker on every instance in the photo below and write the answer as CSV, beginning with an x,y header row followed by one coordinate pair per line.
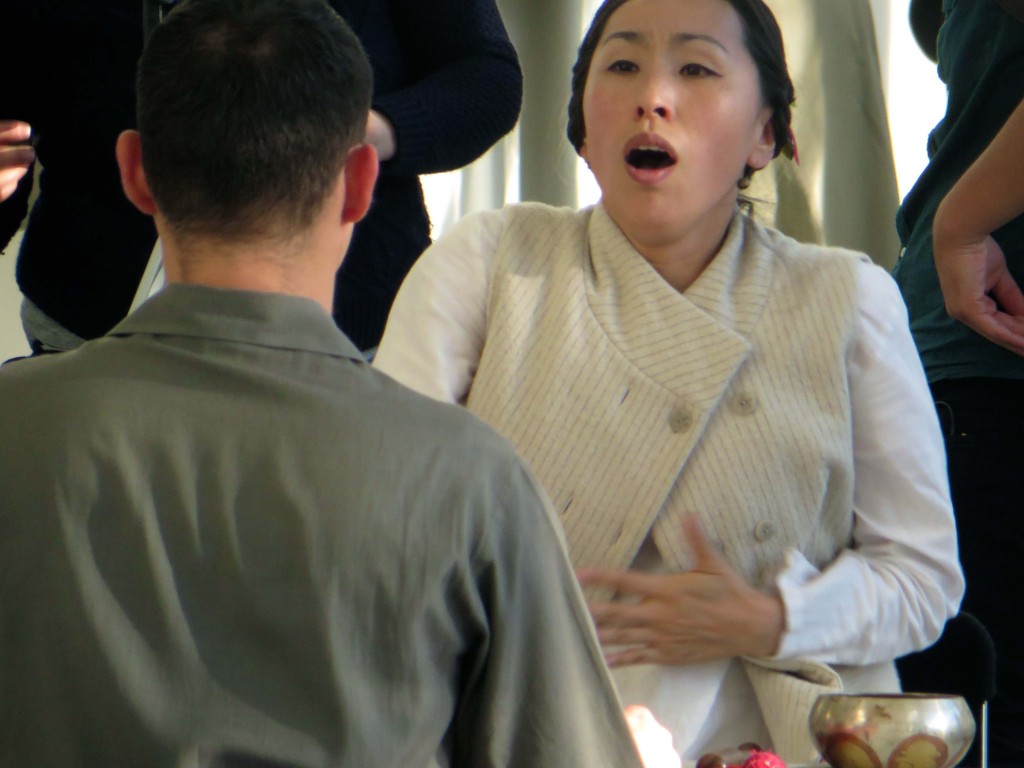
x,y
295,268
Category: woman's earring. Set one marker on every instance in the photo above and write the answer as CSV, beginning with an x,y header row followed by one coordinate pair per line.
x,y
744,181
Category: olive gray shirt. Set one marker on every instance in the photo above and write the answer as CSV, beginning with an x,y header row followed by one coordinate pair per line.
x,y
224,537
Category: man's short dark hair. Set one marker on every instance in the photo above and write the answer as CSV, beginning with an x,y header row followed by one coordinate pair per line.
x,y
247,111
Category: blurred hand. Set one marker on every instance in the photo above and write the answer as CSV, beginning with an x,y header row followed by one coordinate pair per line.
x,y
707,613
381,134
15,156
653,740
979,290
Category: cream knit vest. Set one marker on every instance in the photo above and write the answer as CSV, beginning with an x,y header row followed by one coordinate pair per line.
x,y
635,404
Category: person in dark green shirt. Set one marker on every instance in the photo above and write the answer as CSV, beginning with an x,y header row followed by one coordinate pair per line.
x,y
961,272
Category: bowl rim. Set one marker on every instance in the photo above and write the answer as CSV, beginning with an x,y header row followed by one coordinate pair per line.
x,y
890,695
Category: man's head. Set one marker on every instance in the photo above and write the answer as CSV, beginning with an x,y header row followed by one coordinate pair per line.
x,y
247,112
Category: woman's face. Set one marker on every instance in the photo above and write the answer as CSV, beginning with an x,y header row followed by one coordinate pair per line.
x,y
673,112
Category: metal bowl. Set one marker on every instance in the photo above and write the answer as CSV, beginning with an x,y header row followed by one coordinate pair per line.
x,y
898,730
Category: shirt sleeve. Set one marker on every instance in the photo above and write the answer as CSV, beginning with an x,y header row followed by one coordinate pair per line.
x,y
542,695
893,589
438,323
465,86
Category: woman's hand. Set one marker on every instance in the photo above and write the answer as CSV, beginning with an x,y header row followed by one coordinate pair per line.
x,y
979,290
15,156
707,613
381,134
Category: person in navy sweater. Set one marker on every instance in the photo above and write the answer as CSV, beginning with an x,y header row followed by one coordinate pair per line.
x,y
447,85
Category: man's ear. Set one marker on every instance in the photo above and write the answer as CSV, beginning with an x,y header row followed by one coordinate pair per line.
x,y
133,178
360,170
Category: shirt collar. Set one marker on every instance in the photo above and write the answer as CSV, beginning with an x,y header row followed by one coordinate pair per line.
x,y
247,317
732,289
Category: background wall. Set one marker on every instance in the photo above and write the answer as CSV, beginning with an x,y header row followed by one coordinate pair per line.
x,y
12,340
537,163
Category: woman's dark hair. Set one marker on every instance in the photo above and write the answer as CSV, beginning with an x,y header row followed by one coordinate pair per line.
x,y
761,35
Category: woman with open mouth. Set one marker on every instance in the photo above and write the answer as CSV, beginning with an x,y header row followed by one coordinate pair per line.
x,y
734,427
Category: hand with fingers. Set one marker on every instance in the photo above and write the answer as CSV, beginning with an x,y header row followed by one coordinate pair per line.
x,y
381,134
979,290
16,155
709,612
977,286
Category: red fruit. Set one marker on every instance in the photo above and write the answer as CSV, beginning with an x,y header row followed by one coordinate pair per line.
x,y
764,760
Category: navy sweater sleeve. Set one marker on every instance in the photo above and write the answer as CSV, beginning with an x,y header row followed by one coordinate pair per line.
x,y
15,36
13,210
463,89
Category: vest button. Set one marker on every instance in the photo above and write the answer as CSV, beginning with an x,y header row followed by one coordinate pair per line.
x,y
680,420
764,530
744,403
